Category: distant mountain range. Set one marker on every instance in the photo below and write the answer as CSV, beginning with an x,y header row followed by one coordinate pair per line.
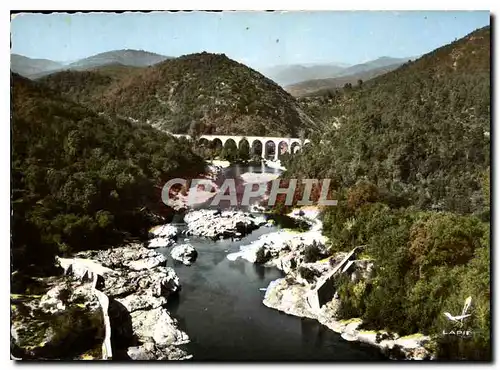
x,y
36,68
290,75
134,58
351,75
298,80
294,73
29,67
196,93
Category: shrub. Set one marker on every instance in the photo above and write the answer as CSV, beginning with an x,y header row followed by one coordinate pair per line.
x,y
308,273
444,239
262,256
362,193
312,252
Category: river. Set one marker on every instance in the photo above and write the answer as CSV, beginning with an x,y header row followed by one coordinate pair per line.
x,y
220,308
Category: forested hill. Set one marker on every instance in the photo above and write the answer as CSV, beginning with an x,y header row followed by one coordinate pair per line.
x,y
421,131
81,180
196,93
409,153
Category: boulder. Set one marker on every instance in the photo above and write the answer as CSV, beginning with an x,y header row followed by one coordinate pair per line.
x,y
158,282
165,231
135,302
147,263
160,242
149,351
146,352
123,256
157,325
49,326
217,224
184,253
51,302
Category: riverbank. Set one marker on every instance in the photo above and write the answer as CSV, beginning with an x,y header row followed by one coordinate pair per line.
x,y
119,294
308,291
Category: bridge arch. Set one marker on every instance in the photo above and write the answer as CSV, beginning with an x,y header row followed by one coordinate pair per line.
x,y
256,148
295,147
244,149
270,149
283,148
263,146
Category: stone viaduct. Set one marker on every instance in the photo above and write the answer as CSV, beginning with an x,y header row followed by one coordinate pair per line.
x,y
280,144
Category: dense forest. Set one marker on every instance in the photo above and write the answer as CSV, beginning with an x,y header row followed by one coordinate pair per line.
x,y
82,180
196,93
409,156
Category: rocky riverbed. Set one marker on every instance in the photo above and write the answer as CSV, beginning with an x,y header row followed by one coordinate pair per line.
x,y
139,285
308,288
221,224
135,285
123,292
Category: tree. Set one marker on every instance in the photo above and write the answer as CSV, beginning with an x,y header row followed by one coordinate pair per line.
x,y
362,193
444,239
312,252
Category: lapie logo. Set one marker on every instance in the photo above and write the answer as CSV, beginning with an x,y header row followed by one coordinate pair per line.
x,y
459,320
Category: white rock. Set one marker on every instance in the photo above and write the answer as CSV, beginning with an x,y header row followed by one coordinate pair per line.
x,y
165,231
158,325
184,253
147,263
134,302
217,224
160,242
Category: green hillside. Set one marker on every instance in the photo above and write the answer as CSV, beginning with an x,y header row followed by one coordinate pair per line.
x,y
409,155
81,180
421,131
196,93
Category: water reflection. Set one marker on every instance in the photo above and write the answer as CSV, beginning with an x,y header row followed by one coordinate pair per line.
x,y
239,266
260,271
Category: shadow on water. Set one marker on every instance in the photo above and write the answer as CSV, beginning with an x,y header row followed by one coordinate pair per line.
x,y
239,266
287,222
260,271
173,302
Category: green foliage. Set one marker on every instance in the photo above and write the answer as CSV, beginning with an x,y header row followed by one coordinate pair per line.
x,y
203,93
80,180
427,145
261,256
312,253
308,274
74,329
441,239
426,263
411,167
362,193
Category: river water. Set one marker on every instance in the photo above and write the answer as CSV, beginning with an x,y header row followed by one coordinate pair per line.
x,y
220,308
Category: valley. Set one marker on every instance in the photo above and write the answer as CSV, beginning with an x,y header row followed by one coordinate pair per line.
x,y
404,143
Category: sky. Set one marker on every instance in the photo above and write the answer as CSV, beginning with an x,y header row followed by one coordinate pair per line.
x,y
258,39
